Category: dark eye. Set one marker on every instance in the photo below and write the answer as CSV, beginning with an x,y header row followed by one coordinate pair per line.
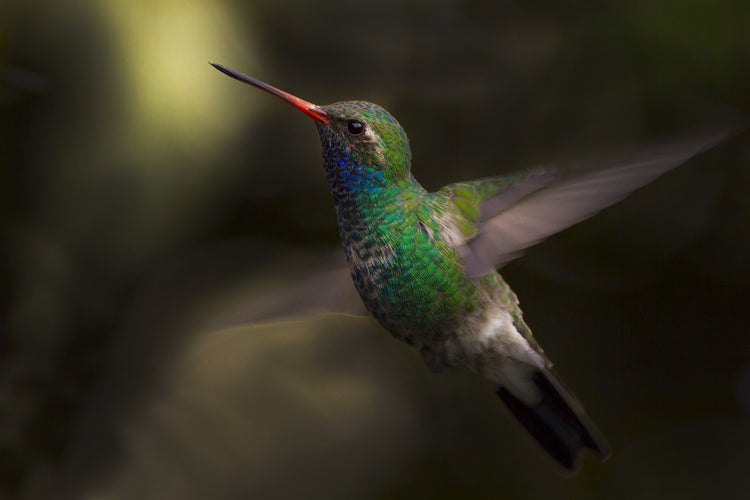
x,y
355,127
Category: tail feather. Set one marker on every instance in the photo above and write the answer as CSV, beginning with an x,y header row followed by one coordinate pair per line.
x,y
557,421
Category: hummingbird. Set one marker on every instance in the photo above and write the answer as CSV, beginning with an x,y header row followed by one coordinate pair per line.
x,y
425,264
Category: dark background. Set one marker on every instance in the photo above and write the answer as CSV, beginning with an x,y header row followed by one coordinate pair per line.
x,y
142,193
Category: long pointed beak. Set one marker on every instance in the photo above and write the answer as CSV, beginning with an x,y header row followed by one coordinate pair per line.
x,y
311,110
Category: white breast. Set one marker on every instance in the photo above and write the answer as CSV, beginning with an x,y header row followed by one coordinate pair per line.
x,y
503,355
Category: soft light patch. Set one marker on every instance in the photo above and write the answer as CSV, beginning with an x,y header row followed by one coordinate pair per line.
x,y
175,97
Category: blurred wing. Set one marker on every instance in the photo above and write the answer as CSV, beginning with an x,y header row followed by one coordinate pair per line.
x,y
327,289
525,214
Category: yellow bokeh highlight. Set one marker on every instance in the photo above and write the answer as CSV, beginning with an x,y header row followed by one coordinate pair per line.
x,y
174,98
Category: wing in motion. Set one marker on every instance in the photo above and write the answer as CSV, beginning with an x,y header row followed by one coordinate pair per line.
x,y
327,289
547,201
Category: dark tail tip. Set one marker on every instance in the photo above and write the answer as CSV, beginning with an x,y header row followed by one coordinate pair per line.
x,y
557,421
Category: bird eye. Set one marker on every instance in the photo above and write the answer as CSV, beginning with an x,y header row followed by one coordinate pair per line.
x,y
355,127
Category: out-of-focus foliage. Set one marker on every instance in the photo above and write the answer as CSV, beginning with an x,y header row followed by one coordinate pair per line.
x,y
141,190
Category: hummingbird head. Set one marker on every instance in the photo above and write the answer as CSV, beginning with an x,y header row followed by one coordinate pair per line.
x,y
363,142
364,148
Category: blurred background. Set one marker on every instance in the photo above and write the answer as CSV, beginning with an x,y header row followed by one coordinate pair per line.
x,y
143,195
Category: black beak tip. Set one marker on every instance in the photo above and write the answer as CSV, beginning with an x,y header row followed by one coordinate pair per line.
x,y
220,67
235,74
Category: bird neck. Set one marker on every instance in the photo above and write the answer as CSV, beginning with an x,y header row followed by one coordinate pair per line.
x,y
367,201
365,185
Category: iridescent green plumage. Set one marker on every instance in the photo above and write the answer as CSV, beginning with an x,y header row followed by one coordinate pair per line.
x,y
405,245
425,263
